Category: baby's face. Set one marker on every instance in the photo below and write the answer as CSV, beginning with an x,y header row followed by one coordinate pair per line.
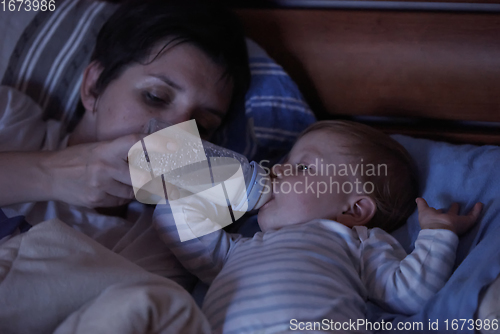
x,y
304,188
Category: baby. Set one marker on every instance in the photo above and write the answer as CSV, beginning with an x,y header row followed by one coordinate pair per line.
x,y
324,249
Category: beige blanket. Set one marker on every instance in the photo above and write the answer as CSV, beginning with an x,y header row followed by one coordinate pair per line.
x,y
55,279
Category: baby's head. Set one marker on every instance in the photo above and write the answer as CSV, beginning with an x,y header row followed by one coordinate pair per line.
x,y
343,171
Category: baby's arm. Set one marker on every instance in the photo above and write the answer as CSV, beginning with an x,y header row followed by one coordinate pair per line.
x,y
404,283
203,256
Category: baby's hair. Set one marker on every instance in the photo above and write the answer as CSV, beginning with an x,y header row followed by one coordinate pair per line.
x,y
394,193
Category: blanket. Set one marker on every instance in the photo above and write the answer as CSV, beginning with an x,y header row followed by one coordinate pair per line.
x,y
54,279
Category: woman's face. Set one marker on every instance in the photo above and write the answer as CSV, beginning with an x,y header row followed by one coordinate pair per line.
x,y
182,83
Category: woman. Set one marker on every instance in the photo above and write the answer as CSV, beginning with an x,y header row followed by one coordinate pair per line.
x,y
169,60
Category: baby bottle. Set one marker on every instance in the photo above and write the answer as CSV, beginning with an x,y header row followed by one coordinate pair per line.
x,y
177,163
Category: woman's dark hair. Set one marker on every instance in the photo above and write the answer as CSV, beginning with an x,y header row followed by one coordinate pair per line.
x,y
135,29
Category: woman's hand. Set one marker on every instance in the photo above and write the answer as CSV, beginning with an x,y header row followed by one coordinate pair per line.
x,y
92,175
436,219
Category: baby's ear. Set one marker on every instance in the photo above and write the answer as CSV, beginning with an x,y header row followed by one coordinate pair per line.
x,y
88,94
360,211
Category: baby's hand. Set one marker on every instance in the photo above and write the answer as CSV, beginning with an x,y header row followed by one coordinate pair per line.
x,y
432,218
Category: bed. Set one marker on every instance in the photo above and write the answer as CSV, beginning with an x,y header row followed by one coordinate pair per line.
x,y
427,72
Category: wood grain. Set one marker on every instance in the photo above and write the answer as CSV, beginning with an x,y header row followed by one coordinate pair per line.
x,y
416,64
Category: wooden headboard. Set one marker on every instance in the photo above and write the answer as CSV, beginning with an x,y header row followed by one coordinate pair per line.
x,y
430,73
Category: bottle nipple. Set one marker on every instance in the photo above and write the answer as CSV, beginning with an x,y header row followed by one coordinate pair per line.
x,y
265,194
259,187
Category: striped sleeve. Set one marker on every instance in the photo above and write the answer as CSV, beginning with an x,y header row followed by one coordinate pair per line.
x,y
203,256
404,283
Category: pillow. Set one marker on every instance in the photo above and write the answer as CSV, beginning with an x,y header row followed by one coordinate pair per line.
x,y
48,60
455,173
465,174
12,25
274,113
50,55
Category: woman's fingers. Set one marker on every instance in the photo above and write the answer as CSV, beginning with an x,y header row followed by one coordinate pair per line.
x,y
108,178
112,201
98,174
120,190
120,147
146,187
159,142
117,153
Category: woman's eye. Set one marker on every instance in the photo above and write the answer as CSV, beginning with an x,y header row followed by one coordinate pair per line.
x,y
154,99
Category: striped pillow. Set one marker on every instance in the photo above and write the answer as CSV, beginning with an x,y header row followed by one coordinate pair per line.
x,y
52,52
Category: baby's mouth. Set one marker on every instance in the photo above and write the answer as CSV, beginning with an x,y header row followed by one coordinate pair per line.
x,y
267,203
270,195
271,198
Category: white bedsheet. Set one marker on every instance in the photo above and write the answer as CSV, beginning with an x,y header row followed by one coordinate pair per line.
x,y
53,278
